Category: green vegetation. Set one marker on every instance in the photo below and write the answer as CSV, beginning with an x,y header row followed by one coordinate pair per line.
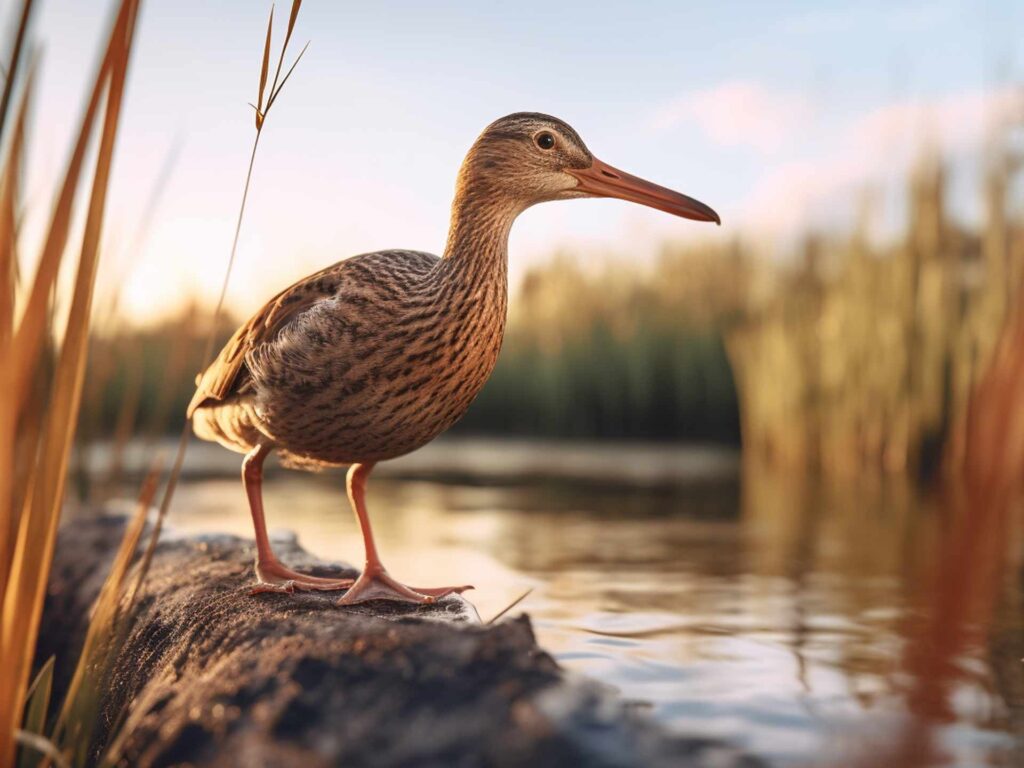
x,y
613,353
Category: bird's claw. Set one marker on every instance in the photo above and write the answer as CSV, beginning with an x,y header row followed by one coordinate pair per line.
x,y
272,576
285,587
378,584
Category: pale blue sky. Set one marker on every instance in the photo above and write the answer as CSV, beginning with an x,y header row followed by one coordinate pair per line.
x,y
772,112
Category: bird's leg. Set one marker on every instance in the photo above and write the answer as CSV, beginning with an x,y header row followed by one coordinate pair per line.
x,y
375,583
271,575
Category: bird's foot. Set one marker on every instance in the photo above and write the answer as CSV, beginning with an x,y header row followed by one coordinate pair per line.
x,y
274,577
378,584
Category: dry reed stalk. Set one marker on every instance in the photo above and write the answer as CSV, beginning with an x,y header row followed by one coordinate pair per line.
x,y
8,265
27,341
43,746
262,110
102,366
109,622
508,607
12,69
966,573
177,370
39,511
125,424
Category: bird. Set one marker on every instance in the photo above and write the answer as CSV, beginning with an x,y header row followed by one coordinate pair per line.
x,y
376,355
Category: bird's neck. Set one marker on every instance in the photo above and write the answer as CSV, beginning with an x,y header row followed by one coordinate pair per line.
x,y
476,254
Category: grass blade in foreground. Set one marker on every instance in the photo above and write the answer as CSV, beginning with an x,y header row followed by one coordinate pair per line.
x,y
35,710
261,115
107,625
39,512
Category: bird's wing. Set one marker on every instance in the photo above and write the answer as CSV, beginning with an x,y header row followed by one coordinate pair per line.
x,y
227,374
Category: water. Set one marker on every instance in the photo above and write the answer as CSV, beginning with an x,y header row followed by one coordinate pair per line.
x,y
786,619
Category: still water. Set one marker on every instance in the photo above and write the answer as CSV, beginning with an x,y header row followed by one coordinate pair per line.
x,y
790,620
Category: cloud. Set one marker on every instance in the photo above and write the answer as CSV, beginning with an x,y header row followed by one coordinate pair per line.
x,y
738,113
877,148
952,123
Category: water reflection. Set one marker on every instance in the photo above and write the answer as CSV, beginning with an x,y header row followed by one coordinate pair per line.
x,y
784,616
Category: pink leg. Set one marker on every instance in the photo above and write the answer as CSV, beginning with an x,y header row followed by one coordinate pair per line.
x,y
271,575
375,583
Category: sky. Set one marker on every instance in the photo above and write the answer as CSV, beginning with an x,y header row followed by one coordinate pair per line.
x,y
775,113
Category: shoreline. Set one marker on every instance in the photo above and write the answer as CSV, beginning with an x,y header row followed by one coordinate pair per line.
x,y
470,460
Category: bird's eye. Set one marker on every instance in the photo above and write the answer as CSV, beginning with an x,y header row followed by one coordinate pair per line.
x,y
545,140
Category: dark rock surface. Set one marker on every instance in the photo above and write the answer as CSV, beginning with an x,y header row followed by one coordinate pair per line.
x,y
212,676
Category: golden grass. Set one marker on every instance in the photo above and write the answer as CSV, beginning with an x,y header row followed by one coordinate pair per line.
x,y
509,607
43,380
9,411
11,79
864,360
262,110
106,633
30,504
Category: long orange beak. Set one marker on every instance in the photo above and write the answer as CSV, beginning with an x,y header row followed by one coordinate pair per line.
x,y
602,180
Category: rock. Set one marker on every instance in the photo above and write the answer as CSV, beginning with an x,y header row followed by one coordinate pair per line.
x,y
213,676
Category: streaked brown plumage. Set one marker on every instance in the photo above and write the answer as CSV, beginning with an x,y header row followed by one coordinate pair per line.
x,y
377,355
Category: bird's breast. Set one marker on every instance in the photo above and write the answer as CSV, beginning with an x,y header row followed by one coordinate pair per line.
x,y
387,390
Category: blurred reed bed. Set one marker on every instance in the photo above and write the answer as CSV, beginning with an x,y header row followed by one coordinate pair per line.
x,y
864,360
975,554
612,352
42,369
139,382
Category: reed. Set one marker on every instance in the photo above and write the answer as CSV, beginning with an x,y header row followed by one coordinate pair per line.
x,y
37,361
41,374
108,627
864,360
613,352
264,102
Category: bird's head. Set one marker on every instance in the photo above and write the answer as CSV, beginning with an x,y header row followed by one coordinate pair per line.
x,y
528,158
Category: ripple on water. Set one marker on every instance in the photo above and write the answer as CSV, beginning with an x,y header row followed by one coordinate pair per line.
x,y
784,633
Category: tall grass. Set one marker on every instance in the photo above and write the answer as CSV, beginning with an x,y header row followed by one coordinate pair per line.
x,y
614,352
264,103
865,359
42,374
